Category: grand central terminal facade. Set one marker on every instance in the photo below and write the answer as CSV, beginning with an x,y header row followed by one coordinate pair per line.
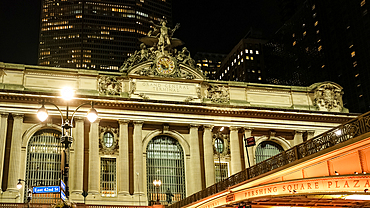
x,y
158,119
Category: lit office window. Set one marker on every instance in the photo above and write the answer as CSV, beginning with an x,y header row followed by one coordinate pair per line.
x,y
294,43
267,149
353,54
319,48
316,23
108,177
363,2
257,52
304,33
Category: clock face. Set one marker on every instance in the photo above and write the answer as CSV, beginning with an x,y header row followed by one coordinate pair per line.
x,y
165,65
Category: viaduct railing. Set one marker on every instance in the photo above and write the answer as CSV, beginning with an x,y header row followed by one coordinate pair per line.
x,y
342,133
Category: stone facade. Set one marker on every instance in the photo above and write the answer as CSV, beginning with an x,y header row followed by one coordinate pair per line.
x,y
158,91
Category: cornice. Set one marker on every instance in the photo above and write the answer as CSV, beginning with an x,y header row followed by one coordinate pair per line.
x,y
183,108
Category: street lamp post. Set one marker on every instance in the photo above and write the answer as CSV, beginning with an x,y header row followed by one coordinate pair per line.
x,y
157,184
67,125
29,191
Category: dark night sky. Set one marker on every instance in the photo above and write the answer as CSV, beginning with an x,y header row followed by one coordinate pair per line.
x,y
206,26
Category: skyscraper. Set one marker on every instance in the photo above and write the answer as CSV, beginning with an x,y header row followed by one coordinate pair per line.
x,y
246,61
95,34
325,40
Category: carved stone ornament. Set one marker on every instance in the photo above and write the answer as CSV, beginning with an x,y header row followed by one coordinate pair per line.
x,y
109,85
112,148
160,57
226,141
218,93
328,97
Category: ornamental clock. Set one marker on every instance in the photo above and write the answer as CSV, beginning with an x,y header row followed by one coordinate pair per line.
x,y
165,65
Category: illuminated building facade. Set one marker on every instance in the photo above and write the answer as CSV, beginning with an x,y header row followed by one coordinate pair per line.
x,y
323,40
245,62
159,118
94,34
210,63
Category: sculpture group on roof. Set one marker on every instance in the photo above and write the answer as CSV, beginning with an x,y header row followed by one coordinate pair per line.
x,y
159,42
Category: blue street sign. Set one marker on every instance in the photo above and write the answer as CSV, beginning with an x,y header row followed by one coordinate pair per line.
x,y
63,196
62,185
46,189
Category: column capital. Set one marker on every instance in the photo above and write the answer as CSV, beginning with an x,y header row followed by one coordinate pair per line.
x,y
18,115
194,125
139,122
79,118
208,127
234,128
123,121
246,128
298,132
311,132
3,114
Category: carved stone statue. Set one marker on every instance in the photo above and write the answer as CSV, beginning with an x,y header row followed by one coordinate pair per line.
x,y
185,58
163,33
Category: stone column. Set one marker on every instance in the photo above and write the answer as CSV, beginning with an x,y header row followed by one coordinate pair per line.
x,y
195,170
138,158
3,128
310,134
298,137
94,160
247,134
123,162
209,164
78,143
236,165
15,154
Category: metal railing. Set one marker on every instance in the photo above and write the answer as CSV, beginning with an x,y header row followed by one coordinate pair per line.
x,y
340,134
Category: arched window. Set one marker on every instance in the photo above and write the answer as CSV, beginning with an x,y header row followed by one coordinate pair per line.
x,y
108,139
43,163
165,162
267,149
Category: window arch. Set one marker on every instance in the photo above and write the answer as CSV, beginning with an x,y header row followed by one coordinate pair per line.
x,y
165,162
43,162
267,149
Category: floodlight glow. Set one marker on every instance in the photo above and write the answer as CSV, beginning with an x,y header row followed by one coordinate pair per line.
x,y
42,114
67,93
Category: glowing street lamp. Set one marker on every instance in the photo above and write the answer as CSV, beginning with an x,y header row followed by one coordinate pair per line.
x,y
67,125
157,184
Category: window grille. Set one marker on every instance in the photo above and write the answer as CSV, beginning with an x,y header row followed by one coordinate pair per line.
x,y
267,149
43,163
165,162
108,177
221,171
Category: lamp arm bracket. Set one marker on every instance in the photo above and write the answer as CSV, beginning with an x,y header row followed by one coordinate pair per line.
x,y
78,107
61,114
